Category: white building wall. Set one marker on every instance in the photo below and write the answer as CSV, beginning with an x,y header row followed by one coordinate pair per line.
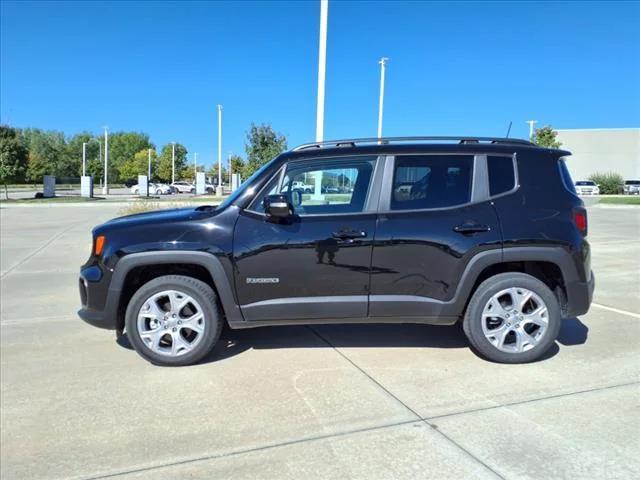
x,y
602,150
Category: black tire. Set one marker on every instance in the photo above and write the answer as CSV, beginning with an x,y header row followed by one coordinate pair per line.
x,y
199,291
472,325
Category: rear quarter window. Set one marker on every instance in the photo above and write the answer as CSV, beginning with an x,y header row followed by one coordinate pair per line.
x,y
502,177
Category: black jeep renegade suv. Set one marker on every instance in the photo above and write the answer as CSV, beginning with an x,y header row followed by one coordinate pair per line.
x,y
431,230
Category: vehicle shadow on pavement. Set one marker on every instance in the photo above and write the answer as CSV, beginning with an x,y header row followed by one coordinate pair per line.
x,y
234,342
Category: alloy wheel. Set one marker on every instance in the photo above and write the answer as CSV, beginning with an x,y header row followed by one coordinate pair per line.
x,y
515,320
171,323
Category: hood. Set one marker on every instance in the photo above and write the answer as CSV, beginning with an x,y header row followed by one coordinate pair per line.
x,y
157,217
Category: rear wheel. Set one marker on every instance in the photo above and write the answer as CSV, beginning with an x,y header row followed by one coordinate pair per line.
x,y
512,318
173,320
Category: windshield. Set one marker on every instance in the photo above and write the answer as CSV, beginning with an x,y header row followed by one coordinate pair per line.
x,y
590,184
245,185
632,182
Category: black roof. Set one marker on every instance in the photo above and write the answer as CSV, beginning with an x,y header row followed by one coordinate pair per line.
x,y
408,145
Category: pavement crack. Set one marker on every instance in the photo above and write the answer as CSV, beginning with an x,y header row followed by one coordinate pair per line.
x,y
419,418
39,249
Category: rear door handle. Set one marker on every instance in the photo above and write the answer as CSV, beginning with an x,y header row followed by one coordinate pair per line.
x,y
467,228
349,234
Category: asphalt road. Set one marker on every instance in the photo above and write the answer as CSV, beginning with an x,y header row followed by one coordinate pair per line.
x,y
370,402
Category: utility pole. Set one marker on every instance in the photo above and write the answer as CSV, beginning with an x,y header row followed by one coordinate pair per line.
x,y
219,187
383,62
322,63
84,159
173,162
531,124
149,172
105,186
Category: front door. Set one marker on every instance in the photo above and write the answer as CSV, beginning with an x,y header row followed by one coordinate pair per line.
x,y
315,265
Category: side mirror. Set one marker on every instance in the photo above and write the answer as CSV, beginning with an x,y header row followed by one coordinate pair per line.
x,y
277,206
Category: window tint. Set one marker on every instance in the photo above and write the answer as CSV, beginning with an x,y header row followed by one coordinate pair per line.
x,y
342,186
501,175
431,181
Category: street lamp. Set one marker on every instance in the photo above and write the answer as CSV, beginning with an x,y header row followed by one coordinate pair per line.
x,y
383,62
105,186
219,187
173,162
322,64
195,165
149,172
84,159
531,124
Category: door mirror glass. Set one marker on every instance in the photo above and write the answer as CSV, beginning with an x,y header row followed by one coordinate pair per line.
x,y
277,206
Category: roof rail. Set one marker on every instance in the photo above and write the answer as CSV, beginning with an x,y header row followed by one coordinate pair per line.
x,y
352,142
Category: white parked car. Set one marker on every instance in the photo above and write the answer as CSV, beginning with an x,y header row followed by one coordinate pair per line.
x,y
154,189
183,187
632,187
587,187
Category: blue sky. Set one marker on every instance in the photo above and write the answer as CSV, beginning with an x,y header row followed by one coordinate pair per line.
x,y
456,67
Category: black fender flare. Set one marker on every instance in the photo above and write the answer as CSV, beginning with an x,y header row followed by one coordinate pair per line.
x,y
206,260
552,254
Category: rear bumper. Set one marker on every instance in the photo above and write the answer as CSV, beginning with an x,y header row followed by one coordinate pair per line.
x,y
579,296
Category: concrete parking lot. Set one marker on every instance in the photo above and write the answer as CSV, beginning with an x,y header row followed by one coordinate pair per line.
x,y
370,402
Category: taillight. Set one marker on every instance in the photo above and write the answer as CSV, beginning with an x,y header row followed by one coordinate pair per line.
x,y
580,219
98,245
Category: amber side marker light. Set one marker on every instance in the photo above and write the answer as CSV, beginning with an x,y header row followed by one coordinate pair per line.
x,y
99,245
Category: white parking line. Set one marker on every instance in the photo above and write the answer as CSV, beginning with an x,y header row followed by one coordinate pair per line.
x,y
617,310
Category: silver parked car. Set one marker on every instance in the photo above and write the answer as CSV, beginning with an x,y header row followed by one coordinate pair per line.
x,y
632,187
183,187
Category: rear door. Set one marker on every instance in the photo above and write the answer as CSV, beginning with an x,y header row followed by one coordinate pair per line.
x,y
434,217
315,266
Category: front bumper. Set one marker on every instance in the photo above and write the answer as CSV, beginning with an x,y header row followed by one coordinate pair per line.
x,y
96,309
579,296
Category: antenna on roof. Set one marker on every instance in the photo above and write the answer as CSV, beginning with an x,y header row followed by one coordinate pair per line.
x,y
509,129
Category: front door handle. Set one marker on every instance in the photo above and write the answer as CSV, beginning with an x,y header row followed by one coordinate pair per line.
x,y
349,234
467,228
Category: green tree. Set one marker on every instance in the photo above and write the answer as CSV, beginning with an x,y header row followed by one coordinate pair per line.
x,y
263,144
46,153
72,162
237,165
13,157
213,173
546,137
164,162
139,165
123,146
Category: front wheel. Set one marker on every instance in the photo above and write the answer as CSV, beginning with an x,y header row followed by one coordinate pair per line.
x,y
512,318
173,320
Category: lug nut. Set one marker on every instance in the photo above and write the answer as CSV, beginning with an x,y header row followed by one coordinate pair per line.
x,y
179,322
175,329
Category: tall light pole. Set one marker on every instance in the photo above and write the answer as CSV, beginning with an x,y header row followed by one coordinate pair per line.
x,y
322,64
195,165
219,187
173,162
531,124
148,172
105,186
383,62
84,159
229,167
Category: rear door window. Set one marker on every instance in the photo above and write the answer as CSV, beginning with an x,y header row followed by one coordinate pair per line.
x,y
431,181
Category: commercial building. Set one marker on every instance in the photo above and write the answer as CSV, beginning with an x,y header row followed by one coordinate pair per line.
x,y
602,150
